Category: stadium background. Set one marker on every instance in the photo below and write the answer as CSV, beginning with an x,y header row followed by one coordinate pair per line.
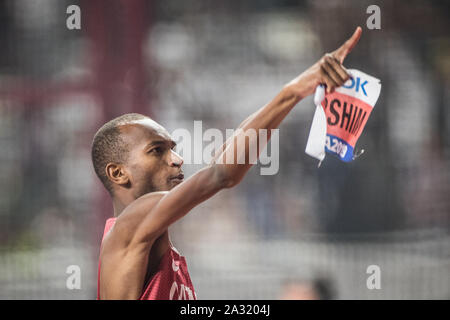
x,y
217,61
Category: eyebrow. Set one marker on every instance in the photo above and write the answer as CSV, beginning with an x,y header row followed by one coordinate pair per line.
x,y
160,142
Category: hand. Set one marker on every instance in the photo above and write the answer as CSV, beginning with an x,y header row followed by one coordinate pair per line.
x,y
328,70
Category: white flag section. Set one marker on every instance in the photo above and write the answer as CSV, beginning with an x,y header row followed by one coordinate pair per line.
x,y
337,125
315,146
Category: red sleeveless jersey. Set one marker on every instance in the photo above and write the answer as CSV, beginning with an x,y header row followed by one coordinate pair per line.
x,y
171,280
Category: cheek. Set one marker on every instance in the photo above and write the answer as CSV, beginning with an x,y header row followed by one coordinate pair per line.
x,y
141,169
149,171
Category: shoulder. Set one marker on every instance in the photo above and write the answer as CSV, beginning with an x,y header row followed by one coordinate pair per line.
x,y
141,206
129,220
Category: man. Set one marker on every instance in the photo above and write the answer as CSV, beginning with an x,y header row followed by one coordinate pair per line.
x,y
133,157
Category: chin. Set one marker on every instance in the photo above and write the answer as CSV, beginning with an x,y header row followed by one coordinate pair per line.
x,y
174,183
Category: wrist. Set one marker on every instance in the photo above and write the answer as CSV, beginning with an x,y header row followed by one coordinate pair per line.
x,y
305,84
294,90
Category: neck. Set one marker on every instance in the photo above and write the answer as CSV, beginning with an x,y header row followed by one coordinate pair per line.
x,y
120,203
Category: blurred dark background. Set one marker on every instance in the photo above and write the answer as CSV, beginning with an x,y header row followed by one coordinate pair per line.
x,y
218,61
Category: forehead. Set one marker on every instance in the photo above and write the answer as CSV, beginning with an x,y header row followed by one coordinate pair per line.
x,y
143,131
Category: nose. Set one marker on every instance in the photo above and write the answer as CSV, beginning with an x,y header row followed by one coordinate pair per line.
x,y
175,159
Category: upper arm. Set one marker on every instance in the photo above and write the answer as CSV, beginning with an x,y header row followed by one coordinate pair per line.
x,y
175,203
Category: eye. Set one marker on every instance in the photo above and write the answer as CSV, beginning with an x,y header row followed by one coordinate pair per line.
x,y
156,150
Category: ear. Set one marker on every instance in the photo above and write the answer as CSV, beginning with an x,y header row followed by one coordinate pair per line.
x,y
117,174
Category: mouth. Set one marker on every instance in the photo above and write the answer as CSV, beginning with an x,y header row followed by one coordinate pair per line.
x,y
179,178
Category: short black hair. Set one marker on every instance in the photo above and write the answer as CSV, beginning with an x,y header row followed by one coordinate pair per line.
x,y
108,146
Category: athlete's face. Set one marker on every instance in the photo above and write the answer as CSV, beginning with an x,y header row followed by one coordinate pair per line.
x,y
152,165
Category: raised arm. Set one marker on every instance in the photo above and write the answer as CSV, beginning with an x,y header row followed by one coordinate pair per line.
x,y
220,174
